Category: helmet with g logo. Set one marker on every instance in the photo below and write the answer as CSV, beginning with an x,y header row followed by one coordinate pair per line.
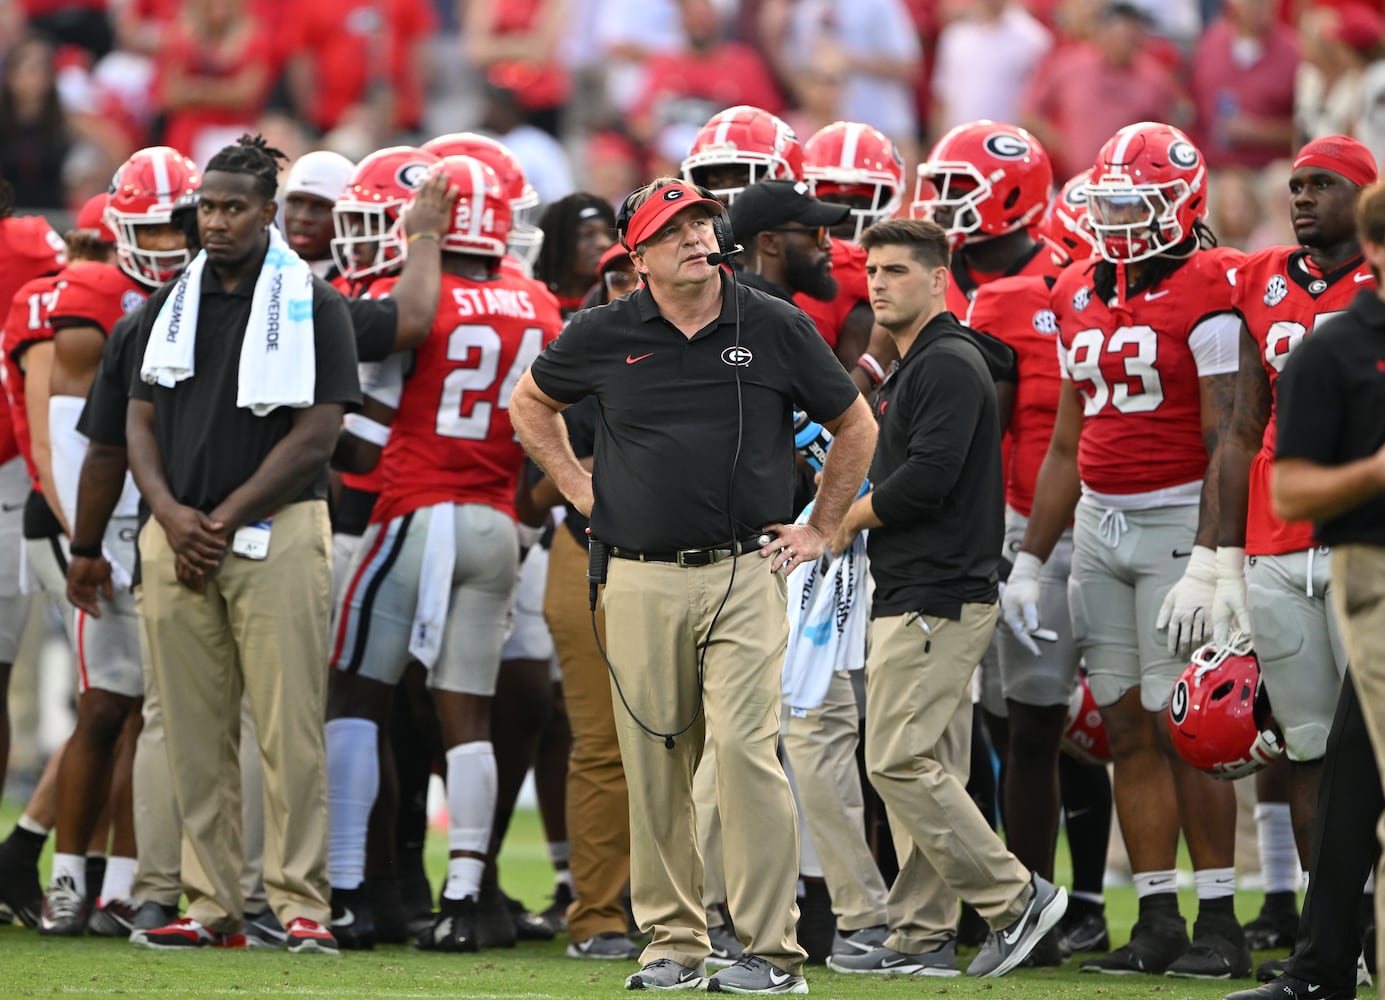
x,y
1219,713
1147,192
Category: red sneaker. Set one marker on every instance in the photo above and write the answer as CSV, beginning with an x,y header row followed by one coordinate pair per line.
x,y
187,933
308,937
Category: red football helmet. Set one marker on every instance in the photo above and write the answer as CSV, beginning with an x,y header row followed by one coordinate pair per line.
x,y
370,237
858,165
143,192
1084,736
744,136
983,179
481,217
526,238
1066,224
1146,192
1219,714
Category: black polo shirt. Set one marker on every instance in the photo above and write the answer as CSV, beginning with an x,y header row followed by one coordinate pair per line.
x,y
1330,409
209,445
938,486
375,321
667,420
103,415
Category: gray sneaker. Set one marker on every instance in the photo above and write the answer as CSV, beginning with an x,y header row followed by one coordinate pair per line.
x,y
666,974
1014,943
941,961
263,930
609,945
859,942
726,947
753,974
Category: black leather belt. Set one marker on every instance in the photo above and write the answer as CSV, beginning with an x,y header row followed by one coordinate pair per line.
x,y
698,557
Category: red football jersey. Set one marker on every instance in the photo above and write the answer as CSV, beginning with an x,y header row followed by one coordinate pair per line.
x,y
1018,311
26,324
1132,361
849,268
964,282
93,294
1283,297
452,439
30,248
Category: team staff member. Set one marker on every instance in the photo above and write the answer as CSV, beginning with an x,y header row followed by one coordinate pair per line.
x,y
1330,468
254,617
936,516
696,377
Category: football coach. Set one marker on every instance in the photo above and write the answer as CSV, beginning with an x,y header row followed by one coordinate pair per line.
x,y
696,377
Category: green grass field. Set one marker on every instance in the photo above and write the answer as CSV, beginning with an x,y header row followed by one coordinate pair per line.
x,y
31,966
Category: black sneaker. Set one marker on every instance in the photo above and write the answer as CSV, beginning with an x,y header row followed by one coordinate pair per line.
x,y
453,928
113,918
263,930
1154,944
817,924
528,925
64,909
1083,932
1291,988
972,929
1277,924
554,916
495,922
1047,954
1218,951
1272,968
20,888
726,947
352,922
387,905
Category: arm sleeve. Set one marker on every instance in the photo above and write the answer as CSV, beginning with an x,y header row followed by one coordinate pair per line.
x,y
375,321
563,370
335,344
945,405
1310,404
1216,344
820,385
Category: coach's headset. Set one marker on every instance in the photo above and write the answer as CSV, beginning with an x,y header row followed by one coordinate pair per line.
x,y
598,556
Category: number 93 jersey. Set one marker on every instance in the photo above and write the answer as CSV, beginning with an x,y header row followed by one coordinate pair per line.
x,y
1283,298
451,440
1136,360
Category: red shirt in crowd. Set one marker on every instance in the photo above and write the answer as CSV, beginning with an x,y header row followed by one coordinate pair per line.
x,y
1222,89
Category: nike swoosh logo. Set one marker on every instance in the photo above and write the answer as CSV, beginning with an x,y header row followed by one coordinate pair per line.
x,y
629,360
1012,936
1151,296
1314,989
890,963
778,978
1180,555
345,920
1155,883
1359,279
10,508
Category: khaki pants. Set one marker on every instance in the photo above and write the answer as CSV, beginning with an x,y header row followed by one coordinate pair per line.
x,y
598,810
259,629
659,613
918,678
821,750
158,832
1358,596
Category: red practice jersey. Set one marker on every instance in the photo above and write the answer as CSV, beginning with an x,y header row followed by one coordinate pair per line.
x,y
25,325
849,268
1018,311
963,282
1283,297
1136,362
451,439
93,294
30,249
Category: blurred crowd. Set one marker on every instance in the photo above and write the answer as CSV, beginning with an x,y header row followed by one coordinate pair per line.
x,y
596,94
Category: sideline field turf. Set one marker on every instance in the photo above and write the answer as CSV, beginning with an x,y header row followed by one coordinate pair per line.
x,y
31,966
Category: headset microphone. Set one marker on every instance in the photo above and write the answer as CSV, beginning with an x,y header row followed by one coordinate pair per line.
x,y
717,259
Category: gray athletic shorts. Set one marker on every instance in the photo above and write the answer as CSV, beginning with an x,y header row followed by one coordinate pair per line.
x,y
14,603
1123,565
1046,679
344,549
374,617
1298,643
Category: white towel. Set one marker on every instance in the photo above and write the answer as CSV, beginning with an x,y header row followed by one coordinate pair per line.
x,y
434,584
278,363
828,608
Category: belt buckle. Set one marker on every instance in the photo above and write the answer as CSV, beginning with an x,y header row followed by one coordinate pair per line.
x,y
680,557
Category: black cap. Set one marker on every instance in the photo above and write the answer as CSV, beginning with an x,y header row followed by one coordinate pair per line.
x,y
773,204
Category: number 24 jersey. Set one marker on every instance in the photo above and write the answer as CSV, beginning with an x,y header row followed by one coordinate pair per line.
x,y
452,439
1136,362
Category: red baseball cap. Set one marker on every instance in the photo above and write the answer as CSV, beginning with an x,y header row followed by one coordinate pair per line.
x,y
614,252
93,217
663,205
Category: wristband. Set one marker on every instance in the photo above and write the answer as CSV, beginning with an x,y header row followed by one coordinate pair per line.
x,y
414,238
368,430
85,551
872,368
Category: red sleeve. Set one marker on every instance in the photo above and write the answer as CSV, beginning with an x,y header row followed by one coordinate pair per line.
x,y
417,19
85,298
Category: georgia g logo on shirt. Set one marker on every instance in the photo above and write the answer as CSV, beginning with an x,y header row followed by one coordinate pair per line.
x,y
737,357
